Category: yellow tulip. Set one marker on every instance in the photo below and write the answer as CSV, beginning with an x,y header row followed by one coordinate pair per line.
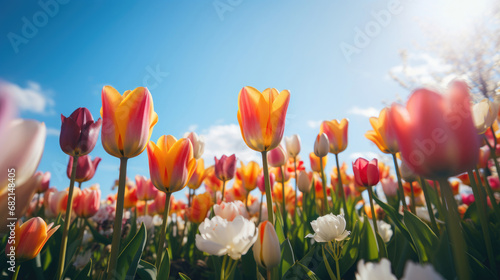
x,y
383,134
337,134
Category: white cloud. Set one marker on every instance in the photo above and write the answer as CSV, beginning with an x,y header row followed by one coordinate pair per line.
x,y
32,98
314,124
192,127
365,112
53,131
226,140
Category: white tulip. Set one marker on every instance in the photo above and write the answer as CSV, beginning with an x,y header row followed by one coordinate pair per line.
x,y
321,145
384,230
375,271
198,143
328,228
484,114
267,250
304,183
415,271
230,210
292,144
219,237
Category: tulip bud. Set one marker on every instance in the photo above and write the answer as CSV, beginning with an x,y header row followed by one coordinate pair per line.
x,y
225,167
321,145
199,209
366,172
79,132
44,183
85,169
292,144
304,182
261,182
315,162
277,157
198,143
484,114
229,210
266,250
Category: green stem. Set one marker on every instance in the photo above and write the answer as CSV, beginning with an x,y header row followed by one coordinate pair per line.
x,y
296,185
434,226
260,207
269,198
145,207
246,202
341,188
493,201
483,218
283,201
232,266
18,267
374,218
337,268
67,221
223,269
163,233
223,191
117,226
412,208
455,233
400,183
323,179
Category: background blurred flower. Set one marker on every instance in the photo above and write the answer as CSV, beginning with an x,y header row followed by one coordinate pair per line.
x,y
225,167
315,164
87,202
44,182
200,206
145,188
198,143
337,134
383,134
85,168
230,210
371,271
198,176
248,174
292,144
277,157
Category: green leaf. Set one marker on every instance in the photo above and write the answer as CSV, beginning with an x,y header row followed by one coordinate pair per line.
x,y
217,264
86,272
309,273
248,265
146,271
350,250
327,264
184,276
279,226
287,257
368,244
165,265
129,258
382,247
422,235
395,216
133,230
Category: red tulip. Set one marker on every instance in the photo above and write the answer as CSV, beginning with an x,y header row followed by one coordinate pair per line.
x,y
436,133
366,172
85,169
79,132
225,167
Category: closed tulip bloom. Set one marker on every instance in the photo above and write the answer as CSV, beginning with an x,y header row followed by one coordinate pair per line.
x,y
337,134
262,117
30,238
277,157
248,175
436,134
198,176
278,175
383,134
225,167
484,114
267,250
171,163
484,157
321,145
261,184
406,173
79,132
230,210
130,197
219,236
85,169
305,181
87,202
200,206
366,172
128,121
328,228
44,182
145,188
315,164
292,144
198,143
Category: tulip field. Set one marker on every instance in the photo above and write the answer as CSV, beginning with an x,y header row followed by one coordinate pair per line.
x,y
365,220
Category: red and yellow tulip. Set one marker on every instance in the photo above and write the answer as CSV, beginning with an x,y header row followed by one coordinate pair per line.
x,y
337,134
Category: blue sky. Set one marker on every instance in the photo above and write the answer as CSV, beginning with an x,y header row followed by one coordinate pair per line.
x,y
195,56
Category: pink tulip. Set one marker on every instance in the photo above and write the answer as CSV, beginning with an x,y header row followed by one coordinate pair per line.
x,y
366,172
145,188
277,157
389,186
44,182
79,132
87,202
436,133
261,183
85,169
225,167
468,199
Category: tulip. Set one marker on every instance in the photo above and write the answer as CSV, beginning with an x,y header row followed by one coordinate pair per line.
x,y
87,202
248,174
198,176
44,182
321,145
262,117
329,228
383,134
390,187
366,172
315,162
145,188
225,167
212,183
484,114
30,238
198,143
277,157
305,182
382,270
198,211
158,204
230,210
261,182
292,144
406,173
336,133
267,250
484,156
219,236
128,121
79,132
86,168
130,197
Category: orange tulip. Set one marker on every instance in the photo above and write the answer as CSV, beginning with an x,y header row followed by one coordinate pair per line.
x,y
315,164
278,175
128,121
130,197
417,190
198,176
383,134
212,183
30,238
248,175
171,163
262,117
200,206
337,134
87,203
